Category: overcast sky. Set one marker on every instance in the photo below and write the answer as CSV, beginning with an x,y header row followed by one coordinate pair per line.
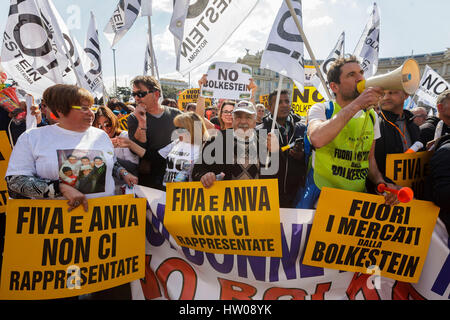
x,y
407,26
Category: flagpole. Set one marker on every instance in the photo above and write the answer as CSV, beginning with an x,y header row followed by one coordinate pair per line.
x,y
115,75
308,47
275,112
343,46
150,45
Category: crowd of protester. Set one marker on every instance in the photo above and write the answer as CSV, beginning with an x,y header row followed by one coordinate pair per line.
x,y
79,150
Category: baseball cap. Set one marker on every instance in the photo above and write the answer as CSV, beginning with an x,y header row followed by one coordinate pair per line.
x,y
443,96
245,106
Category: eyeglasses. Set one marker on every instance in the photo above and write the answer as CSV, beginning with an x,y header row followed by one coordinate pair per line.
x,y
142,94
84,108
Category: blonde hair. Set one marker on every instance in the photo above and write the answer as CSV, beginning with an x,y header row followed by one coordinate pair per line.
x,y
187,121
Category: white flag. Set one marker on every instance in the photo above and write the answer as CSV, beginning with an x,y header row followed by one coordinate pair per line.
x,y
150,66
206,26
335,54
146,8
122,20
431,86
368,46
76,61
28,55
284,51
92,50
37,47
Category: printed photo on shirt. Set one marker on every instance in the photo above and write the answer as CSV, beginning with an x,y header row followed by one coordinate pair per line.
x,y
84,170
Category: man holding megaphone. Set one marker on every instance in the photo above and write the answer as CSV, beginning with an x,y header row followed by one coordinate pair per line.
x,y
342,136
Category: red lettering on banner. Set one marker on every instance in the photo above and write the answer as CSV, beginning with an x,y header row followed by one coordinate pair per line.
x,y
359,283
189,285
276,293
405,291
150,286
233,290
321,288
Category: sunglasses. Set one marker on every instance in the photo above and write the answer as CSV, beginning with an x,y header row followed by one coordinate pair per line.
x,y
105,125
142,94
84,108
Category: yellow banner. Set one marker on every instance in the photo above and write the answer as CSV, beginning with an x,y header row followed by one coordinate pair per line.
x,y
190,96
5,153
301,102
409,170
52,253
232,217
123,123
362,234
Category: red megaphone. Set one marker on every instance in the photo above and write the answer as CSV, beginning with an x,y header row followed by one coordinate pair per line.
x,y
404,195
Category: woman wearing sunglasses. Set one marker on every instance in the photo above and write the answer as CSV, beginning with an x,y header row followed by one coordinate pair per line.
x,y
182,153
35,162
224,119
108,122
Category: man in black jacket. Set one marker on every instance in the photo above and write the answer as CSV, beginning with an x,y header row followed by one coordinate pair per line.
x,y
438,181
236,154
397,128
436,127
292,166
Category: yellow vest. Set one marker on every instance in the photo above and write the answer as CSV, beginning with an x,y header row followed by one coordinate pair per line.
x,y
344,162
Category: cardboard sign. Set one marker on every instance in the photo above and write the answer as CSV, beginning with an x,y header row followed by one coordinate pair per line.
x,y
5,153
264,99
52,253
409,170
232,217
302,102
228,81
362,234
190,96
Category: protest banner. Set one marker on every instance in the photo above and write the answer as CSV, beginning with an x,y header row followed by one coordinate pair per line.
x,y
177,272
363,234
231,217
409,170
5,152
52,253
190,96
228,81
302,102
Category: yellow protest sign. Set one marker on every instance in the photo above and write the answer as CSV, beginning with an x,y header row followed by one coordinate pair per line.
x,y
232,217
264,99
5,153
409,170
190,96
301,102
123,122
52,253
362,234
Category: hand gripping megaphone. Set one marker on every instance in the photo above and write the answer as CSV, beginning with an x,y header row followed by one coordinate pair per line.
x,y
406,78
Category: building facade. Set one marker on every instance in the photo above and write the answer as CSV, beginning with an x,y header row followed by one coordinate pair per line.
x,y
178,84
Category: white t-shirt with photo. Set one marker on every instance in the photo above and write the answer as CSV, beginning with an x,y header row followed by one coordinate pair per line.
x,y
42,152
180,158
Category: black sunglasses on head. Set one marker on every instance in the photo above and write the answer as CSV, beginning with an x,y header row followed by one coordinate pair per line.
x,y
142,94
